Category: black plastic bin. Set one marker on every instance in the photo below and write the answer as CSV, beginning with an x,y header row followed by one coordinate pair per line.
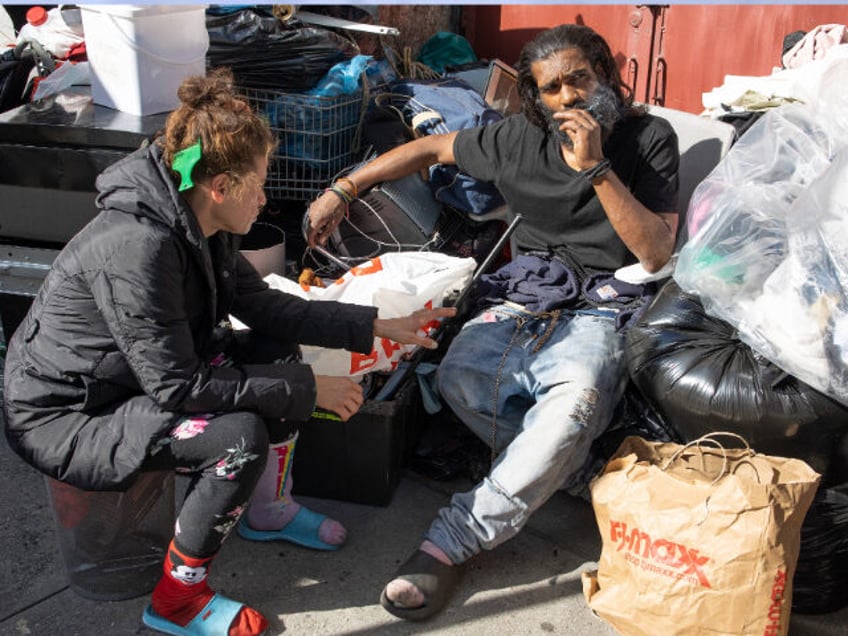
x,y
363,459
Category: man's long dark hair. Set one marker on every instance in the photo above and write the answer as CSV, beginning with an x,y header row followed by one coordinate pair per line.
x,y
568,36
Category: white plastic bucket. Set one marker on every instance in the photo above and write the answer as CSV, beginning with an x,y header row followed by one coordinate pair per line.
x,y
140,54
264,247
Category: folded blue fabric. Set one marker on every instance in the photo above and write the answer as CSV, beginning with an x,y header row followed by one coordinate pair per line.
x,y
535,282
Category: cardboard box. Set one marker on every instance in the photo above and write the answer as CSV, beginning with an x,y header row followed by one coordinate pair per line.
x,y
361,460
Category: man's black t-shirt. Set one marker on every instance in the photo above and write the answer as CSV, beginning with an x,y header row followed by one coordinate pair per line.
x,y
561,212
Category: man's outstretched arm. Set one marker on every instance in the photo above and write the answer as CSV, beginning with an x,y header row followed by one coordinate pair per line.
x,y
327,211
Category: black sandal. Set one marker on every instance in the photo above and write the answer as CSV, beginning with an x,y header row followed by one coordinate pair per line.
x,y
434,579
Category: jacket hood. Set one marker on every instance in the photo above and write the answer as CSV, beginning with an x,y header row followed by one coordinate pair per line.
x,y
141,184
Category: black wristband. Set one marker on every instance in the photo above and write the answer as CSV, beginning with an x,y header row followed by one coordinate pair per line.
x,y
598,170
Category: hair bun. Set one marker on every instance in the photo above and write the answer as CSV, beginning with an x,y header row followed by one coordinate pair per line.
x,y
216,88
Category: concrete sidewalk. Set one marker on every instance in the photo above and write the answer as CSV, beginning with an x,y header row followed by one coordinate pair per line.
x,y
530,585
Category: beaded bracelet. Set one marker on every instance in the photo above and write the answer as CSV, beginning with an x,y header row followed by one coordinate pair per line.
x,y
598,170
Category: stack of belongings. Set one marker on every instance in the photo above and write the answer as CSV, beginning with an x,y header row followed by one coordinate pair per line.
x,y
309,81
265,51
751,336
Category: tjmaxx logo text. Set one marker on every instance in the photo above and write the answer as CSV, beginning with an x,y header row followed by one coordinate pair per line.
x,y
679,560
778,595
360,362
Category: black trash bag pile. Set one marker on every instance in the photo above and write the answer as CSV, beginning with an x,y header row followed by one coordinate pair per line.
x,y
700,378
633,416
266,53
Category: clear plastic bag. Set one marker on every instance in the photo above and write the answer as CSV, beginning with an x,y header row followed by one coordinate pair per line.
x,y
768,251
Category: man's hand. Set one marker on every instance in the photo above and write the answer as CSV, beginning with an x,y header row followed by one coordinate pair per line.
x,y
405,329
341,396
325,213
585,134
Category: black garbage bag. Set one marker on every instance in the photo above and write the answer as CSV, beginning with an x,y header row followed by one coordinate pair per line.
x,y
700,378
266,53
820,584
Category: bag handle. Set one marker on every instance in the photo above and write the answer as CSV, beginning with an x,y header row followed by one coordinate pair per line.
x,y
132,44
710,437
30,47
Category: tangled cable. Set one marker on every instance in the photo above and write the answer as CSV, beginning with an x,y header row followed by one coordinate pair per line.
x,y
405,66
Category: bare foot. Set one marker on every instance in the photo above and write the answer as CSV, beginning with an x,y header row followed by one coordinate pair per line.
x,y
332,532
403,593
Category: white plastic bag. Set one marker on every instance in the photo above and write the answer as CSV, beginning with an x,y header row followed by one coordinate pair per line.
x,y
768,251
66,75
397,283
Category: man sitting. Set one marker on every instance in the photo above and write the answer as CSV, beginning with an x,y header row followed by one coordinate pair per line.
x,y
538,371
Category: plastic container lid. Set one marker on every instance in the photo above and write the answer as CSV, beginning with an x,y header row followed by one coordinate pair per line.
x,y
36,16
132,11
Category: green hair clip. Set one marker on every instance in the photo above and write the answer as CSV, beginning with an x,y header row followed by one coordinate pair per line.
x,y
184,162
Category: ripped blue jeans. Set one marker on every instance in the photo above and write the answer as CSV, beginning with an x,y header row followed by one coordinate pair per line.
x,y
538,388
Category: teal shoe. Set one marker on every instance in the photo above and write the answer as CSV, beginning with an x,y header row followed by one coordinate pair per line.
x,y
213,620
301,530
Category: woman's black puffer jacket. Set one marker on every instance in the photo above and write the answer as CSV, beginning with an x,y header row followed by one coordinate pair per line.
x,y
117,344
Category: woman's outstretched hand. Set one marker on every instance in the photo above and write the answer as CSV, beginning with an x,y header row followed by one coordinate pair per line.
x,y
412,329
342,395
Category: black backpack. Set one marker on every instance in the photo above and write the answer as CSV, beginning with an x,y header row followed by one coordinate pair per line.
x,y
15,67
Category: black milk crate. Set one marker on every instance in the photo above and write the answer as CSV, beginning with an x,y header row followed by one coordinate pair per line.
x,y
318,136
361,460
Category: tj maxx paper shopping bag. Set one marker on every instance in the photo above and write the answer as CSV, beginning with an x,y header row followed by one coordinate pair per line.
x,y
697,539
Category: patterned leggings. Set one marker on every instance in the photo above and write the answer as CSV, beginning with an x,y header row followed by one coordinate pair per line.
x,y
223,455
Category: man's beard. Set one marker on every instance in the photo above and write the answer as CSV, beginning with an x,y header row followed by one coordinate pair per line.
x,y
603,105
